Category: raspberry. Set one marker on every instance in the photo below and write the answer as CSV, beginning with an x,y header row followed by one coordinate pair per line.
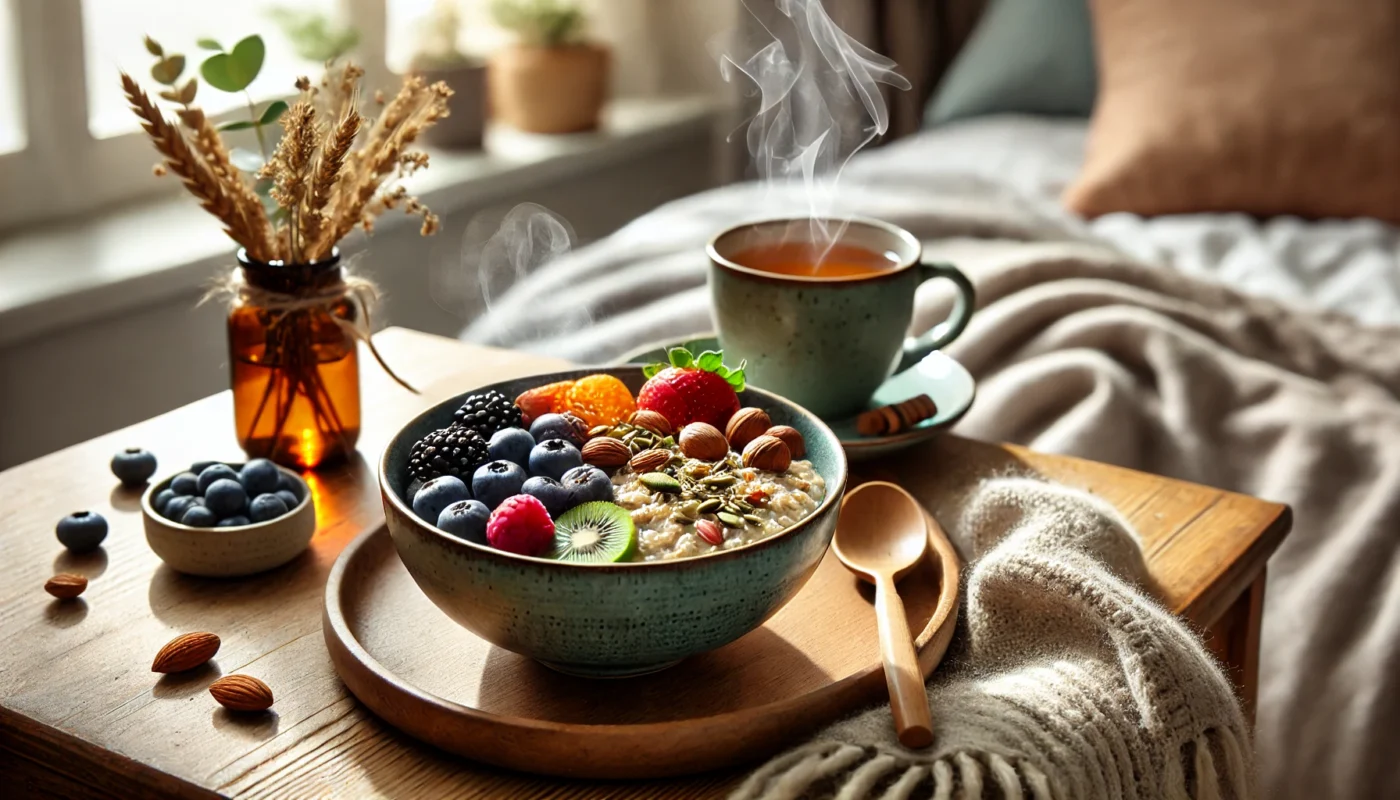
x,y
600,400
520,524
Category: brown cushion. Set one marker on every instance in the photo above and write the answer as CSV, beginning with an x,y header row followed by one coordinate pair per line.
x,y
1260,106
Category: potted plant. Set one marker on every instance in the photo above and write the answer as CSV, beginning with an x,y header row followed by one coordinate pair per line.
x,y
551,80
438,59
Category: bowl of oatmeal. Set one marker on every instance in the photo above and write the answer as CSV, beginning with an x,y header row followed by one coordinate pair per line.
x,y
708,528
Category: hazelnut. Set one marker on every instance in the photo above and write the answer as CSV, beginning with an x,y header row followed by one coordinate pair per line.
x,y
746,425
605,451
768,453
653,421
703,441
792,438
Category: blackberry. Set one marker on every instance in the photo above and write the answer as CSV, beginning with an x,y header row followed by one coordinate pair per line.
x,y
488,412
454,450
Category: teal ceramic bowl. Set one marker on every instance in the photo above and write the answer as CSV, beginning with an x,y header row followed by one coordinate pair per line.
x,y
611,620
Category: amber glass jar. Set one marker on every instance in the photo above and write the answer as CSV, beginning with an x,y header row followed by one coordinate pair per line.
x,y
294,365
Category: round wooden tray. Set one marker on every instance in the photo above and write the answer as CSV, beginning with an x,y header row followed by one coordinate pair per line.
x,y
814,661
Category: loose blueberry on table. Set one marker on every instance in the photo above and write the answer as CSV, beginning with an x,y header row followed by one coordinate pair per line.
x,y
599,476
133,466
81,531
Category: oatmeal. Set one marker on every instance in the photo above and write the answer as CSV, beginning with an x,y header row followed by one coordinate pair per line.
x,y
751,504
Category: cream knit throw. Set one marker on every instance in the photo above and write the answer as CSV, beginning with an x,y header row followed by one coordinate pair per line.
x,y
1067,682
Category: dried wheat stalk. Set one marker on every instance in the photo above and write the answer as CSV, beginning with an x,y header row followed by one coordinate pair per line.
x,y
180,159
334,151
249,208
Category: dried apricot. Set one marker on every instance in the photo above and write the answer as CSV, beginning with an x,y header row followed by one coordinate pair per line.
x,y
600,400
547,399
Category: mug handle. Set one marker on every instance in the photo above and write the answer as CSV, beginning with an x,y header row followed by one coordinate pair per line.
x,y
942,334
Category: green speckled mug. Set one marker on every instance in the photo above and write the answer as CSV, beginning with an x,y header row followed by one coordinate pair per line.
x,y
826,342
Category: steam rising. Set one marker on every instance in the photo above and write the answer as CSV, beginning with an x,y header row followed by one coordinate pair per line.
x,y
820,99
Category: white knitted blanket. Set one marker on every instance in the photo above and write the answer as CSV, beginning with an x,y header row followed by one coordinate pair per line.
x,y
1064,681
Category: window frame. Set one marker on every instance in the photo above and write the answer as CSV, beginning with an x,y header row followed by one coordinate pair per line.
x,y
63,171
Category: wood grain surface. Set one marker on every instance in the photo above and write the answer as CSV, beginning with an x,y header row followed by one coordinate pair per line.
x,y
81,713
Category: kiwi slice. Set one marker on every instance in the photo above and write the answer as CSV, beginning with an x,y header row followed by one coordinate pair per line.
x,y
594,533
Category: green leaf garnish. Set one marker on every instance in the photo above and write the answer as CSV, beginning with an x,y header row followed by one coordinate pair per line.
x,y
234,70
273,111
680,357
236,125
209,44
168,69
153,47
709,361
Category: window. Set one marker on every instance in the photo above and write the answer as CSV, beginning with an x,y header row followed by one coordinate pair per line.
x,y
69,145
112,40
11,102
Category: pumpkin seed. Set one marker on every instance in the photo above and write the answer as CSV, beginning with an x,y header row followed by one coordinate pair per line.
x,y
660,482
668,442
719,481
690,510
598,430
710,506
753,519
732,520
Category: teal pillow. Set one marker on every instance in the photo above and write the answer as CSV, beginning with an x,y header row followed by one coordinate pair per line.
x,y
1025,56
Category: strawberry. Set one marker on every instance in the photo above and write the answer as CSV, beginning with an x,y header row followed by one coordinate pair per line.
x,y
692,388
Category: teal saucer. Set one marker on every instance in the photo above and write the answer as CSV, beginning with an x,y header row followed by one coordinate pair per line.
x,y
940,377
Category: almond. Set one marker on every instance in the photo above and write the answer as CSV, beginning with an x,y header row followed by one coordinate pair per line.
x,y
66,585
710,531
768,453
703,441
605,451
649,460
186,652
746,425
792,438
241,693
653,421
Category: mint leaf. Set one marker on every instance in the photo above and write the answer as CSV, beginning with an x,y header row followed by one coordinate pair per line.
x,y
710,360
680,357
650,370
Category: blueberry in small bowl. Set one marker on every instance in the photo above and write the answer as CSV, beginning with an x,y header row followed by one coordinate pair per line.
x,y
211,524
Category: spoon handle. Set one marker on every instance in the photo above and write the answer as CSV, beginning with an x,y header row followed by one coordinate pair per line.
x,y
908,699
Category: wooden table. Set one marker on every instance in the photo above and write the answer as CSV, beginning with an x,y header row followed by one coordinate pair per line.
x,y
81,714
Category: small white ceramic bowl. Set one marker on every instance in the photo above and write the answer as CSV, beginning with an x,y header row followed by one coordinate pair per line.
x,y
230,552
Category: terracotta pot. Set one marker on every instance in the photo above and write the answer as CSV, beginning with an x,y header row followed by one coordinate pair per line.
x,y
549,89
465,126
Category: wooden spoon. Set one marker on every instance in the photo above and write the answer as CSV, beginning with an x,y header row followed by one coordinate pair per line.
x,y
881,535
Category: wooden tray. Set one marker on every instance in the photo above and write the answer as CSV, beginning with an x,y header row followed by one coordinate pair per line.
x,y
814,661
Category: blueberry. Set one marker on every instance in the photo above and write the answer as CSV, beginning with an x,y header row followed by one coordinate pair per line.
x,y
287,497
233,522
559,426
133,466
493,482
162,497
554,457
465,519
185,483
258,476
225,497
286,483
215,472
549,492
200,517
265,507
586,484
512,444
178,505
81,531
199,466
437,494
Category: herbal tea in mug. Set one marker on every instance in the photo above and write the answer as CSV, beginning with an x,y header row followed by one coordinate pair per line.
x,y
838,260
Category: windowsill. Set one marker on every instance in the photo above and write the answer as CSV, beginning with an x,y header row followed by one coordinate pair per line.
x,y
62,274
